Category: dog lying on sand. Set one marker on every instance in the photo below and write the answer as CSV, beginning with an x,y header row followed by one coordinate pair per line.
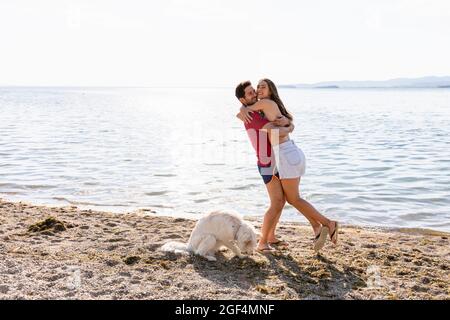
x,y
215,230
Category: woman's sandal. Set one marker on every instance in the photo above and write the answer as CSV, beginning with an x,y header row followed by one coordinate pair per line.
x,y
334,235
321,238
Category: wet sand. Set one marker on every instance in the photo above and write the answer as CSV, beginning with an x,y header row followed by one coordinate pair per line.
x,y
68,253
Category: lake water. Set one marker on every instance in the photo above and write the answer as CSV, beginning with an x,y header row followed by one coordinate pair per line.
x,y
378,157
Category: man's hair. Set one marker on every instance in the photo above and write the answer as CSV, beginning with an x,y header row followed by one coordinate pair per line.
x,y
240,89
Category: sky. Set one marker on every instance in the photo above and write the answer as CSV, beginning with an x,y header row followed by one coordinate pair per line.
x,y
219,43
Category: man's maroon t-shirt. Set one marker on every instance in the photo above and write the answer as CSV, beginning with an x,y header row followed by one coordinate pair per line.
x,y
259,139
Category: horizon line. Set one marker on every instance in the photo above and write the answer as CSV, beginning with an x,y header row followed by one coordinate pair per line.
x,y
206,86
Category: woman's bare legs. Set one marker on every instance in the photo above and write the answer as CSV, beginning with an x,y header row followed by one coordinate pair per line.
x,y
273,213
272,237
291,191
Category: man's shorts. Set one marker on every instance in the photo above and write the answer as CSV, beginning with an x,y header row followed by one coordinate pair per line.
x,y
267,173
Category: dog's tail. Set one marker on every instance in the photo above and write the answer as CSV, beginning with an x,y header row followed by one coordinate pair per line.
x,y
176,247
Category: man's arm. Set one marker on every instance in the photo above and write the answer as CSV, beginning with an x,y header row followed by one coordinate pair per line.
x,y
282,121
244,115
283,124
287,130
282,131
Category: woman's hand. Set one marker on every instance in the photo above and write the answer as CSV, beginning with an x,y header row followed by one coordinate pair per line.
x,y
245,115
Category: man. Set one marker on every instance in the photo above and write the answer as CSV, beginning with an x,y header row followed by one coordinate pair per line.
x,y
258,128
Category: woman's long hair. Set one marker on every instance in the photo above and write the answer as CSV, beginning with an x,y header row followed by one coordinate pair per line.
x,y
276,98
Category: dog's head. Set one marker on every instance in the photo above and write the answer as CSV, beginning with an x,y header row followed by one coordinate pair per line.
x,y
246,238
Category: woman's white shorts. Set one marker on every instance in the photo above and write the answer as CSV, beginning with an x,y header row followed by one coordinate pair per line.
x,y
290,160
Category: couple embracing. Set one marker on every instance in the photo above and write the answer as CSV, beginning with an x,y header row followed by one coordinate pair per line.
x,y
281,163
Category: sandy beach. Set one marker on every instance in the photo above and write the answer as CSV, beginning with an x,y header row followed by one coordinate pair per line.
x,y
69,253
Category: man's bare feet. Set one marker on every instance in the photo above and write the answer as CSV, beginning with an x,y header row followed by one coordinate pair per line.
x,y
274,241
265,248
278,242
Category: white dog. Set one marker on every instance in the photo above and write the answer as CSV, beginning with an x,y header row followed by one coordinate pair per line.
x,y
217,229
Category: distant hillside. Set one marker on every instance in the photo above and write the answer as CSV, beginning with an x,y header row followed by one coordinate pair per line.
x,y
424,82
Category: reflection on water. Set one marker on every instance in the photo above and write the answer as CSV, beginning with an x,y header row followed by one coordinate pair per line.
x,y
377,157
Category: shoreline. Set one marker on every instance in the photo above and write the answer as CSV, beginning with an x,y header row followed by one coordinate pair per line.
x,y
255,218
88,254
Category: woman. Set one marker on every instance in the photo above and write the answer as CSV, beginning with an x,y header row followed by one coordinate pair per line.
x,y
291,164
